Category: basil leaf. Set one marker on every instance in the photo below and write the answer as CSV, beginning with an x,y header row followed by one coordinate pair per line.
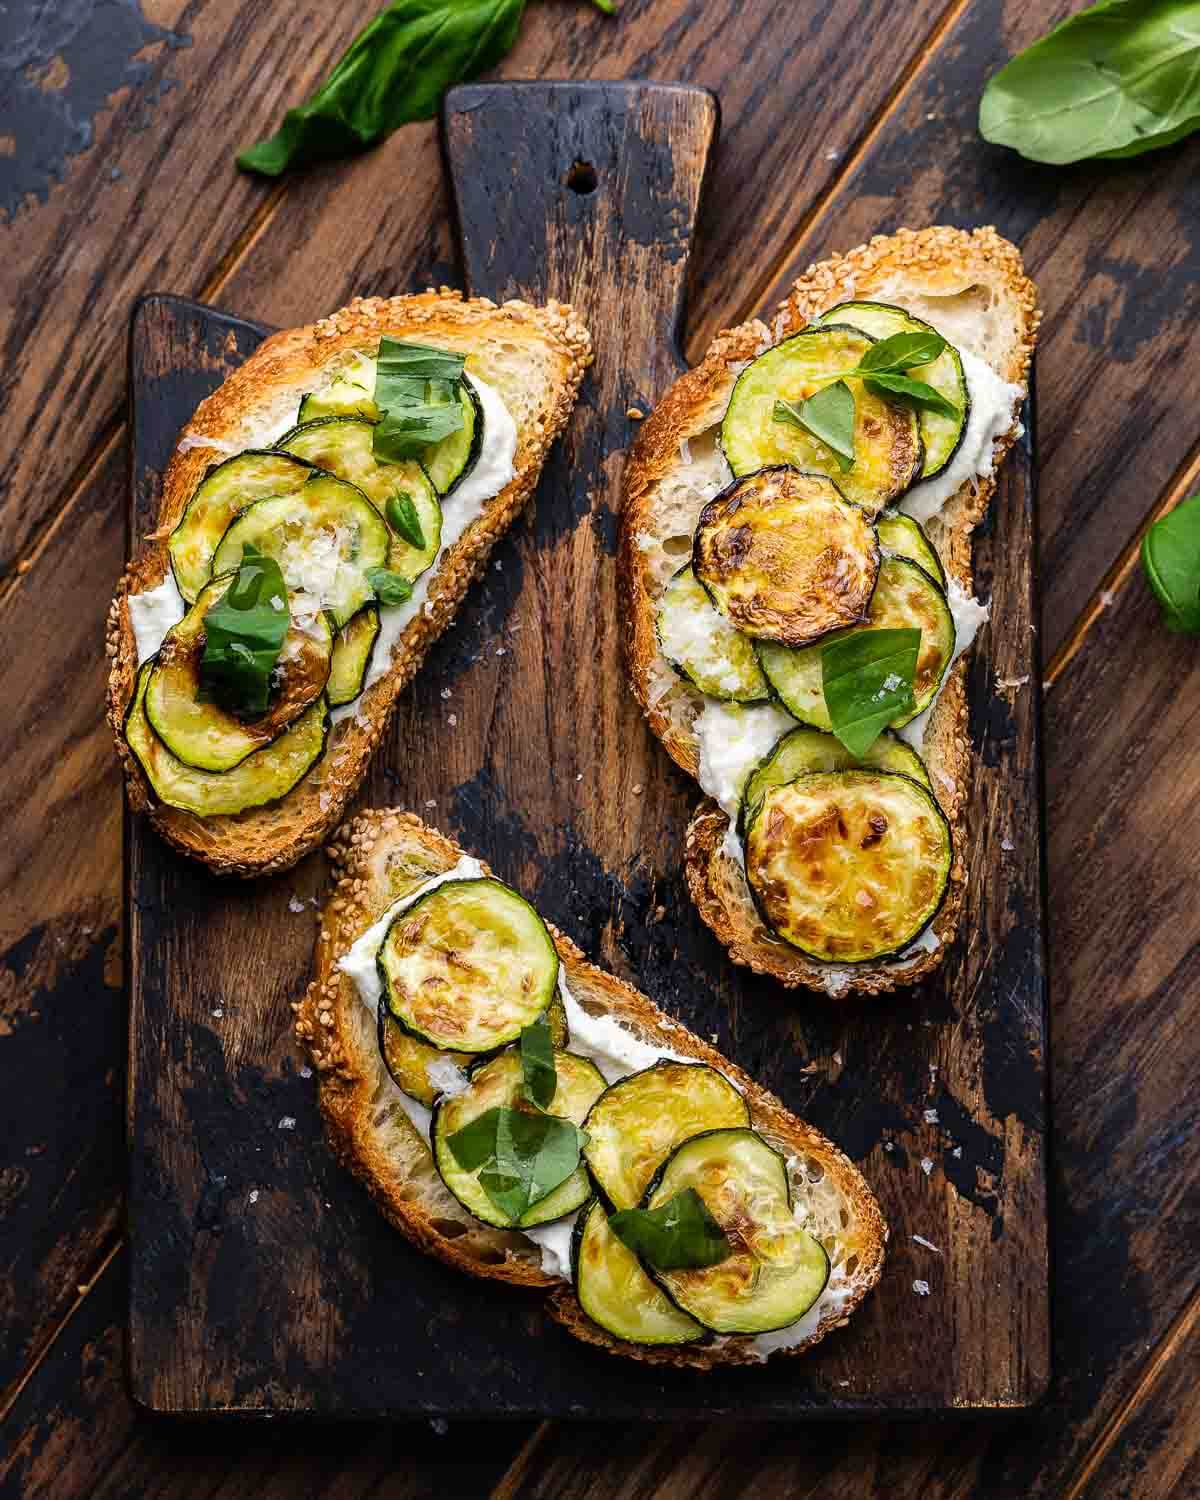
x,y
520,1157
1117,79
679,1234
901,351
394,71
243,634
867,677
1171,560
537,1064
390,588
917,392
828,416
403,519
418,391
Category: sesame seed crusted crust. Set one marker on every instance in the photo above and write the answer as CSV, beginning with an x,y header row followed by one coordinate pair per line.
x,y
536,356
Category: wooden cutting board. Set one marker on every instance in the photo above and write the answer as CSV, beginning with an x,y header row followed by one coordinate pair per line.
x,y
262,1279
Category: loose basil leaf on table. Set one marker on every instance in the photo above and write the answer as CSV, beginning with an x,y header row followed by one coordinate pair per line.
x,y
243,634
521,1157
1171,561
1115,80
539,1075
418,391
394,71
828,416
403,519
390,588
867,678
680,1234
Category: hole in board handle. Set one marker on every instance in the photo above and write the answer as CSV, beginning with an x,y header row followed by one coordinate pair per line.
x,y
582,178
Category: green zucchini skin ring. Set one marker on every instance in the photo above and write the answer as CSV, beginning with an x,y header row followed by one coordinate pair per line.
x,y
444,477
755,688
351,660
901,535
885,955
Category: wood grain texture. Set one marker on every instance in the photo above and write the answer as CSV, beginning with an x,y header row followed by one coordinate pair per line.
x,y
1114,248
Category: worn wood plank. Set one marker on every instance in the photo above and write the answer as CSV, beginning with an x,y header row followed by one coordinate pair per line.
x,y
1115,250
74,1431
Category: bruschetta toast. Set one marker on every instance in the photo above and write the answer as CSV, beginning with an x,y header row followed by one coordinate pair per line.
x,y
433,984
321,519
797,503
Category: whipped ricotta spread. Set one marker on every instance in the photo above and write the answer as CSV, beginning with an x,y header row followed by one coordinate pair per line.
x,y
156,611
616,1051
968,615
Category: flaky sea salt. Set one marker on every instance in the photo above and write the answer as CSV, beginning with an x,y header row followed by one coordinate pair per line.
x,y
926,1165
929,1245
921,1288
287,1122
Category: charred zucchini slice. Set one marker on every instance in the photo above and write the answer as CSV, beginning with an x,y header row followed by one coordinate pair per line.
x,y
848,866
497,1084
887,437
451,460
777,1269
802,751
903,536
785,556
224,492
940,434
704,647
350,393
342,445
420,1070
353,648
262,777
615,1292
468,966
325,536
638,1121
201,733
904,596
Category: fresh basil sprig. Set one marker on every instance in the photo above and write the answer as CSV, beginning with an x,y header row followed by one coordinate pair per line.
x,y
390,588
1117,79
418,391
243,634
538,1073
403,519
867,678
828,416
520,1156
394,71
680,1234
1171,560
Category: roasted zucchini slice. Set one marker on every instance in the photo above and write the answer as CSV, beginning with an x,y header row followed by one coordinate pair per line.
x,y
905,596
777,1269
615,1292
902,536
201,733
887,436
639,1120
497,1084
704,647
353,648
325,536
342,445
785,556
450,461
848,866
224,492
940,434
802,751
468,966
350,393
262,777
420,1070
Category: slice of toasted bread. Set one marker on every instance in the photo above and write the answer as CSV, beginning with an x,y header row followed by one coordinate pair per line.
x,y
381,856
972,286
534,357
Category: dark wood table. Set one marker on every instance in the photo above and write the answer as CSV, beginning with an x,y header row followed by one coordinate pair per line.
x,y
117,127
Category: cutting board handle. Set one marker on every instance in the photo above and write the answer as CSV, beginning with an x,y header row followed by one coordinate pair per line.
x,y
588,193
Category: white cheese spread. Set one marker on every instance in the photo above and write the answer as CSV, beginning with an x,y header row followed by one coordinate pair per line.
x,y
153,613
968,615
733,738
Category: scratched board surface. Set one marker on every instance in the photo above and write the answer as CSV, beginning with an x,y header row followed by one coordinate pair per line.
x,y
261,1279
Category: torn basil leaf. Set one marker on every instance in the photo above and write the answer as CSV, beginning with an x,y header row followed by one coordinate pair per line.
x,y
867,678
680,1234
243,635
390,588
418,390
520,1157
403,519
539,1075
900,352
828,416
918,392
